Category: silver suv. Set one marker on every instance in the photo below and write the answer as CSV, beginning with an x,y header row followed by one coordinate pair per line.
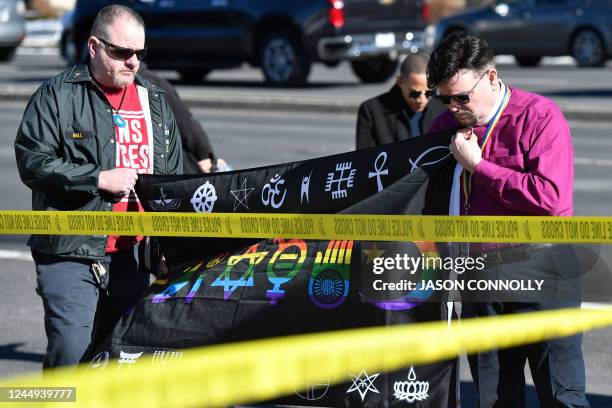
x,y
12,27
531,29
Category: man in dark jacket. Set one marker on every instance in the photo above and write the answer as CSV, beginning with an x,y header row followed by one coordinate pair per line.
x,y
405,111
84,138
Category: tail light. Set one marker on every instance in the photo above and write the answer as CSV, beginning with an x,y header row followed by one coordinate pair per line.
x,y
336,13
425,12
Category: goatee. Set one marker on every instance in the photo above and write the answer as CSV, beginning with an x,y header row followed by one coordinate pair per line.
x,y
466,118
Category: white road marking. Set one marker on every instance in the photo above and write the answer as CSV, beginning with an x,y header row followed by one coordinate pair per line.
x,y
37,51
587,161
592,185
16,255
600,306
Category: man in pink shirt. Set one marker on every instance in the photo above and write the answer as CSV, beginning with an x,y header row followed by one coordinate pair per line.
x,y
515,154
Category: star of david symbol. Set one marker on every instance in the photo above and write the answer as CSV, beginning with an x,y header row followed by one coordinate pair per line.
x,y
363,383
241,195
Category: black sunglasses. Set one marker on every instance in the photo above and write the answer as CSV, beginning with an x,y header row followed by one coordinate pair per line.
x,y
123,53
417,94
462,98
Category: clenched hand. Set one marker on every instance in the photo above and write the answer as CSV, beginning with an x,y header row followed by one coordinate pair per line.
x,y
464,146
118,182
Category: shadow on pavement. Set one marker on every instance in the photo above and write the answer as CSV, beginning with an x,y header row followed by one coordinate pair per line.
x,y
10,352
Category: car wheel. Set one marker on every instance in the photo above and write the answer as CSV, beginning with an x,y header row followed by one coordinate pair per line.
x,y
193,76
374,69
283,61
525,61
588,49
454,31
7,53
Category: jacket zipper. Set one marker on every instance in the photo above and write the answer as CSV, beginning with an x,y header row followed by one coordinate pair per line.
x,y
165,137
167,145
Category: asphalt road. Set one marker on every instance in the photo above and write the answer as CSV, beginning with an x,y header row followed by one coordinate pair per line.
x,y
572,88
248,138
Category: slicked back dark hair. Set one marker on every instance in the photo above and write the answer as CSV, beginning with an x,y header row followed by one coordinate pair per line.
x,y
456,53
107,17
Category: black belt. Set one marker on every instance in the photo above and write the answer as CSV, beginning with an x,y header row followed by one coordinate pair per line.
x,y
511,254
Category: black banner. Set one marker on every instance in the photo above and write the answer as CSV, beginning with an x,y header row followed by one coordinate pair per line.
x,y
227,290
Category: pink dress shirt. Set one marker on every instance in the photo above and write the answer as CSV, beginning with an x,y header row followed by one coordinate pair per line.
x,y
528,164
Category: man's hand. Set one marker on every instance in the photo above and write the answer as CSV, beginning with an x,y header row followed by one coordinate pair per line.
x,y
464,146
118,182
205,165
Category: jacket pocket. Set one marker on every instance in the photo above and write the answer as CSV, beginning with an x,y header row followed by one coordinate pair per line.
x,y
80,145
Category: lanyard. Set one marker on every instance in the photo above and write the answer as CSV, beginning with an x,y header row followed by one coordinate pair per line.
x,y
467,176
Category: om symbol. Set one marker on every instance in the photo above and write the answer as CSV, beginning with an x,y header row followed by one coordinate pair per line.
x,y
271,191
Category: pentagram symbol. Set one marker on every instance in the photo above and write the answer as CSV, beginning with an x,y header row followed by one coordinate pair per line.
x,y
204,198
363,383
241,196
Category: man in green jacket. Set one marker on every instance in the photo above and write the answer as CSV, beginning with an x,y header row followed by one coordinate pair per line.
x,y
85,137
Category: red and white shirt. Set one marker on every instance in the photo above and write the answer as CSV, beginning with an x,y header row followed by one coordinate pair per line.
x,y
133,149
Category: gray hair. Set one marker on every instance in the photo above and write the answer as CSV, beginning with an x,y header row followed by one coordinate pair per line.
x,y
108,15
414,64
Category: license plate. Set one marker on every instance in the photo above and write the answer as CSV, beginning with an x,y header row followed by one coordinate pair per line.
x,y
384,40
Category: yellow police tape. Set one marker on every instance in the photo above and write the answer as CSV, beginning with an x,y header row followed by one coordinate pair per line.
x,y
313,226
260,370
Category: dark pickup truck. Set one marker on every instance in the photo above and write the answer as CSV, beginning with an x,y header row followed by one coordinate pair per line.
x,y
283,37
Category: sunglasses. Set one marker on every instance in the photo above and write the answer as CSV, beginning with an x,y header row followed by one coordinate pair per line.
x,y
122,53
462,98
417,94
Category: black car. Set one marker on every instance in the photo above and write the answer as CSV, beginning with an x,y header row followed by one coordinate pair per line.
x,y
283,37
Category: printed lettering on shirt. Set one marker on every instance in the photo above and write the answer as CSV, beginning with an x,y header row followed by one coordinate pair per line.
x,y
133,151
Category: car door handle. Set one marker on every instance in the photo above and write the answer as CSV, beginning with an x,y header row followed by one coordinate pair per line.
x,y
219,3
167,3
